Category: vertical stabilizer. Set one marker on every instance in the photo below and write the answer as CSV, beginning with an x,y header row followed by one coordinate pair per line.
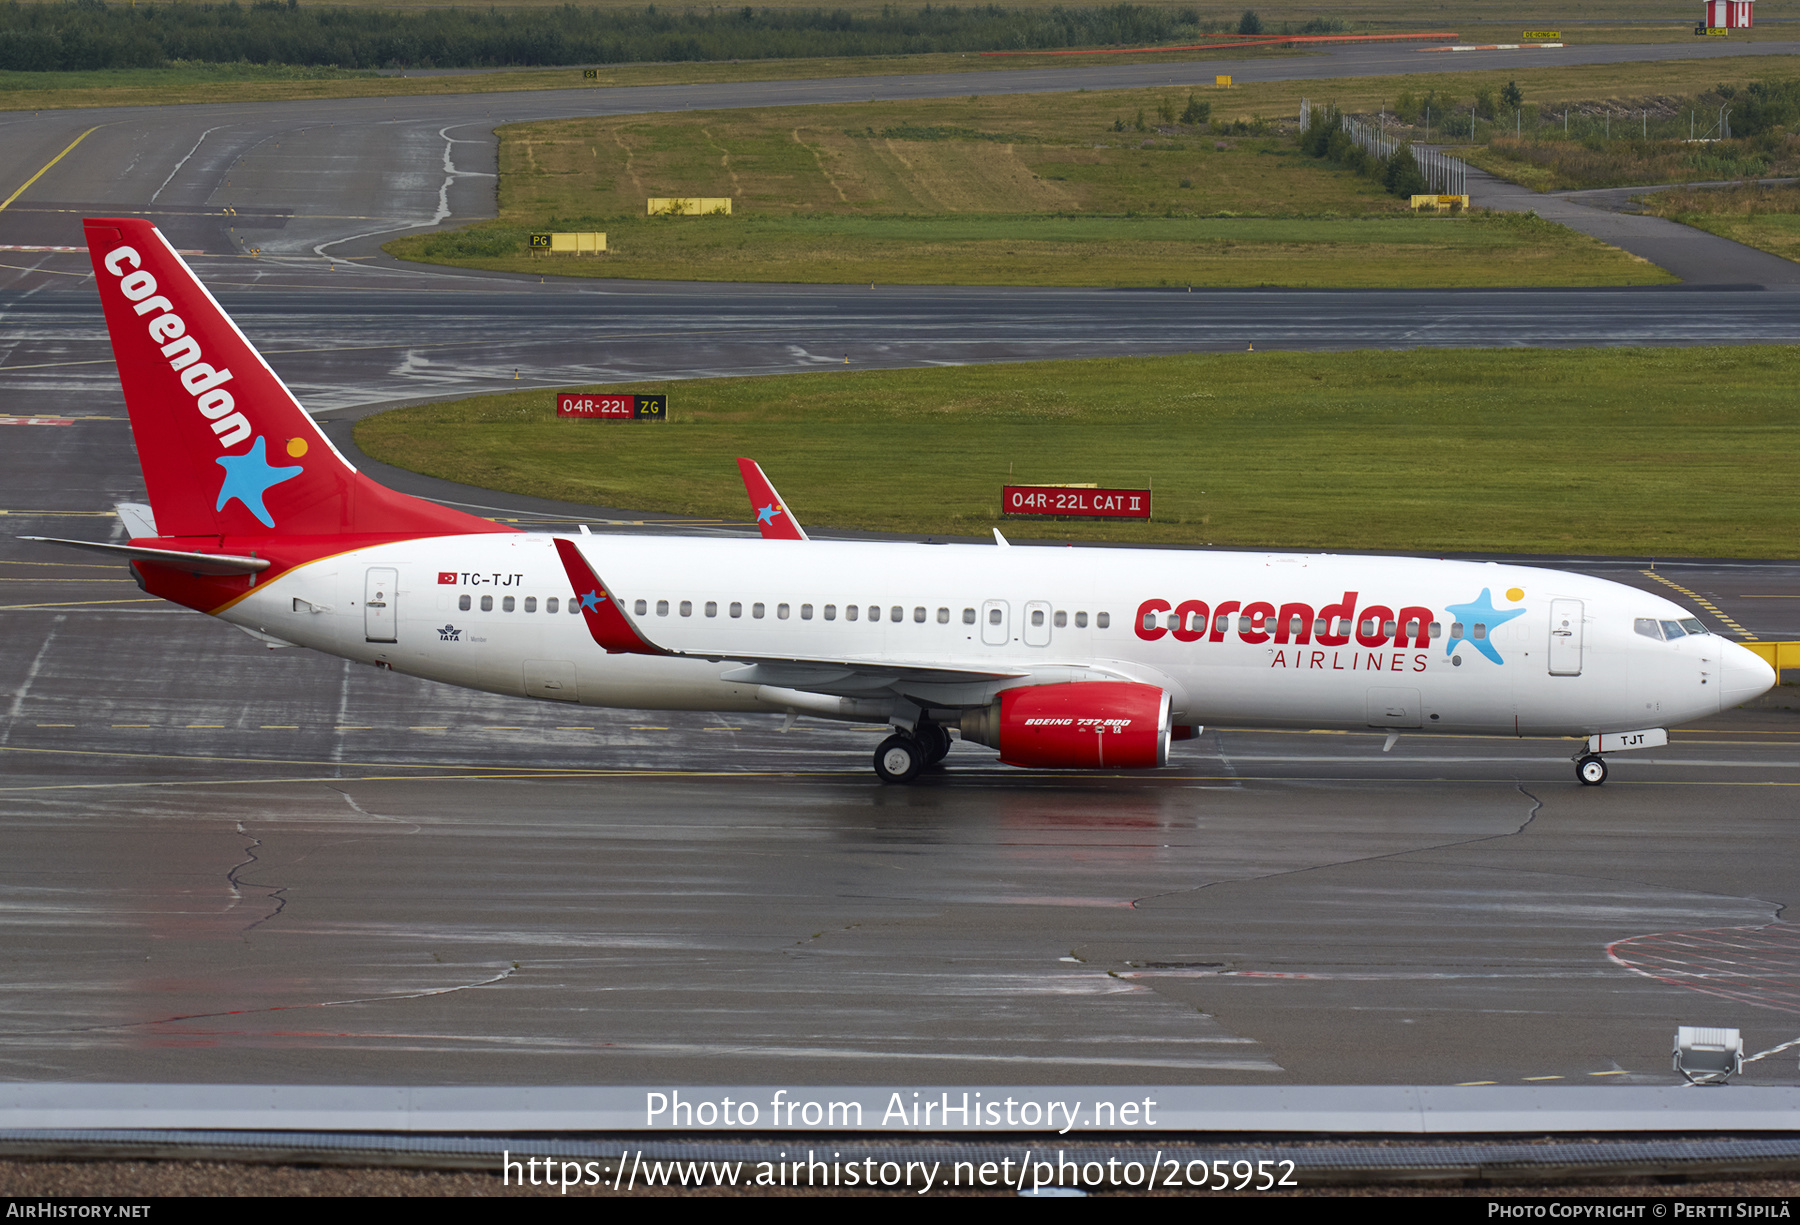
x,y
226,449
773,518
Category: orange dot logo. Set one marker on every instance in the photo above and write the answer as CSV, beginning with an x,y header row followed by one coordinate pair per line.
x,y
296,447
1515,594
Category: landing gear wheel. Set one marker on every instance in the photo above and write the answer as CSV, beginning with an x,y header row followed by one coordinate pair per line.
x,y
1591,770
934,740
899,759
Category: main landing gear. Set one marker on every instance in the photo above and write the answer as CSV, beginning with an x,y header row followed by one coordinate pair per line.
x,y
1591,770
901,757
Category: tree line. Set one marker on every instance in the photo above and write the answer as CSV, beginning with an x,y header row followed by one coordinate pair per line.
x,y
89,34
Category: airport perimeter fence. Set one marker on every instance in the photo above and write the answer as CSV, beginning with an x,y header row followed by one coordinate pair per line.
x,y
1444,174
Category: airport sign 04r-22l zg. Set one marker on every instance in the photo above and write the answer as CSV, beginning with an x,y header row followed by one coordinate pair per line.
x,y
612,407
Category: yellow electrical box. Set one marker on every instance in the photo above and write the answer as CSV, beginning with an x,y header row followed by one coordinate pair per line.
x,y
577,244
1222,82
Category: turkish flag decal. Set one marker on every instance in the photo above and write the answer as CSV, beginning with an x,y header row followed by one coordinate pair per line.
x,y
446,578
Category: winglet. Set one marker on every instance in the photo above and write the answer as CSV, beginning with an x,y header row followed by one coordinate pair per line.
x,y
773,518
606,621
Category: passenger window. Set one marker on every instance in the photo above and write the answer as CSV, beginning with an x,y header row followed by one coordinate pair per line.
x,y
487,603
662,608
463,603
781,612
968,616
943,616
531,603
1037,617
1243,624
1480,630
919,616
506,604
756,611
831,612
1080,620
640,608
806,612
1294,623
994,618
1062,619
574,605
1437,629
1387,629
737,609
851,611
1222,622
1174,620
555,605
1456,629
1319,628
896,613
687,608
1102,620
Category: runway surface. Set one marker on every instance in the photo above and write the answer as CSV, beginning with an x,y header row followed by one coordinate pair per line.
x,y
229,864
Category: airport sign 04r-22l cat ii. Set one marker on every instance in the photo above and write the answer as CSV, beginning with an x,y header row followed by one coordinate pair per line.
x,y
1059,658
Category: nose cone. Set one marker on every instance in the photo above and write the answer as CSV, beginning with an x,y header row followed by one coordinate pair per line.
x,y
1743,675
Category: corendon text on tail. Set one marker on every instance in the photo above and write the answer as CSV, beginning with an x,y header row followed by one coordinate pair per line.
x,y
1056,658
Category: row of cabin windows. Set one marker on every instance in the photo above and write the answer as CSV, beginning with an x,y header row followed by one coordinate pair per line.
x,y
509,604
853,612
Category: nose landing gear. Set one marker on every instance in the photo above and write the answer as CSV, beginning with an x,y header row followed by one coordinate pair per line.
x,y
1591,769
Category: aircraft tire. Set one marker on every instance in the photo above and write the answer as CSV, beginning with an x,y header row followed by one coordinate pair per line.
x,y
935,741
1591,770
899,759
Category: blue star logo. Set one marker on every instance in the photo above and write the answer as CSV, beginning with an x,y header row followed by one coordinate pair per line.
x,y
591,601
1480,610
249,476
767,514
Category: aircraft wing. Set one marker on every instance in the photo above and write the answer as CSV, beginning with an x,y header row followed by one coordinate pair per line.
x,y
614,629
773,519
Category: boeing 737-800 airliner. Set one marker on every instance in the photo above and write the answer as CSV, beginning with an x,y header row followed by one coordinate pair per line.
x,y
1058,658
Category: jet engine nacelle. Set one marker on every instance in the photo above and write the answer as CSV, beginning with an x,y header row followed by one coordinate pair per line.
x,y
1083,726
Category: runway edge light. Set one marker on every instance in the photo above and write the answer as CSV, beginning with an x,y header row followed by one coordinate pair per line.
x,y
1708,1056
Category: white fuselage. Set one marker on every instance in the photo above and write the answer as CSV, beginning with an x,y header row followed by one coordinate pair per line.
x,y
476,611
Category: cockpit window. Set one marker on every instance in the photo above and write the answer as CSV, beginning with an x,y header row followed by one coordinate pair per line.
x,y
1672,630
1693,626
1649,627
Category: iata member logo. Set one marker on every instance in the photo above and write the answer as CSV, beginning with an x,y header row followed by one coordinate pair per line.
x,y
449,633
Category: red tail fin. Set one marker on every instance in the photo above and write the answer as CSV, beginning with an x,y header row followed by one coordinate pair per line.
x,y
225,447
773,519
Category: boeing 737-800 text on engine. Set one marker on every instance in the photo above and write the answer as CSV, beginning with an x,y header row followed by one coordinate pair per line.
x,y
1058,658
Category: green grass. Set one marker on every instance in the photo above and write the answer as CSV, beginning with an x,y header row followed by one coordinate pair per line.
x,y
1014,190
1404,251
1764,217
1663,452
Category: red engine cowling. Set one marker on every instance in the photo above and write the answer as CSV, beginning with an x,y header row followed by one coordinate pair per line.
x,y
1091,725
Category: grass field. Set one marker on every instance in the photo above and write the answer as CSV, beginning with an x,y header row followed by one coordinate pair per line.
x,y
1624,451
1764,217
1403,251
1017,189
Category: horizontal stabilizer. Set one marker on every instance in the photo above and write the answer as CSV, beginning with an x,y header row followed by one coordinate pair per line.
x,y
192,563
